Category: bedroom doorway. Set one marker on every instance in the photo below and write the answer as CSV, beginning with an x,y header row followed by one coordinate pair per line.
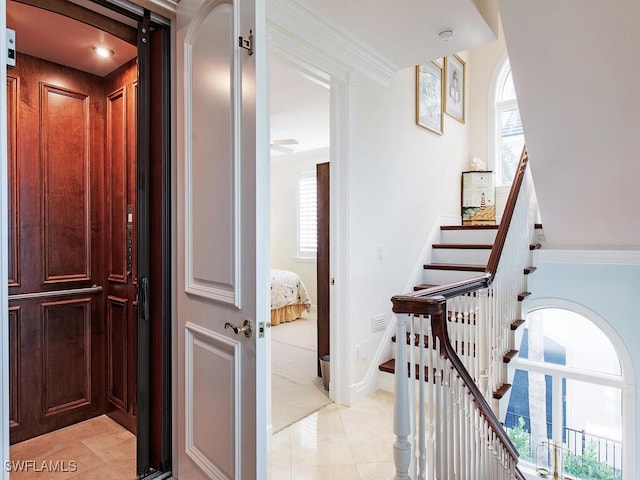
x,y
300,140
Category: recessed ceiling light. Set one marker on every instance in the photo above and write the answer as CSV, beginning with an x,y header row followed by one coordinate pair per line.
x,y
103,52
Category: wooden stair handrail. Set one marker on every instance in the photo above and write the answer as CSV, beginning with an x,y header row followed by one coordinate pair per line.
x,y
439,328
432,301
424,302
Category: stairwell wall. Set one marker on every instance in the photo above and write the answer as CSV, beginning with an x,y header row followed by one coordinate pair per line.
x,y
402,177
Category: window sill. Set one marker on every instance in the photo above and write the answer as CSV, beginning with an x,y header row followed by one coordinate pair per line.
x,y
304,259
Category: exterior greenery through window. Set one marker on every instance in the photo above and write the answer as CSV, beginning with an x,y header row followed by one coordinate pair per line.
x,y
509,138
564,394
307,203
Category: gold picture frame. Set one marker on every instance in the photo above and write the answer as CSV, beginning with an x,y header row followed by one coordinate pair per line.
x,y
455,87
429,93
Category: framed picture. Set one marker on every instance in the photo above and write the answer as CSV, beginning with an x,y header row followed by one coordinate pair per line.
x,y
455,87
429,91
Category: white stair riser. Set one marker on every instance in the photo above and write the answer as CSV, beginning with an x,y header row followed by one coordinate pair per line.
x,y
443,277
460,255
468,236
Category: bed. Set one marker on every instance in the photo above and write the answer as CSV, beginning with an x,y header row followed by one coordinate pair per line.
x,y
289,297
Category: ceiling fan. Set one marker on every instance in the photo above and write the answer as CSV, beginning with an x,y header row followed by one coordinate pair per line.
x,y
280,145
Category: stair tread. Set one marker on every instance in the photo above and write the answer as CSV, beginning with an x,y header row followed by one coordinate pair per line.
x,y
516,324
390,367
500,392
509,356
529,270
455,266
464,246
523,295
535,246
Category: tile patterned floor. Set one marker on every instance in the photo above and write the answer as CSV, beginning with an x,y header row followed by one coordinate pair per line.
x,y
337,443
334,443
94,449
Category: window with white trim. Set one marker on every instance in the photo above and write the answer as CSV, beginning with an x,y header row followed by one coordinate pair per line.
x,y
567,391
509,137
307,239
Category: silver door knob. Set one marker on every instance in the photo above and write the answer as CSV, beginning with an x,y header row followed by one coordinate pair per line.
x,y
246,328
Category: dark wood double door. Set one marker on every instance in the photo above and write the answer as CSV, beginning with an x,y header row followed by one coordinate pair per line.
x,y
72,260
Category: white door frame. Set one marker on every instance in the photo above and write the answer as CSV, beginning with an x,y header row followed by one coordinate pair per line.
x,y
286,48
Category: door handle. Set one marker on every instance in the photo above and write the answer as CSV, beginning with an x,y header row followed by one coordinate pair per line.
x,y
246,328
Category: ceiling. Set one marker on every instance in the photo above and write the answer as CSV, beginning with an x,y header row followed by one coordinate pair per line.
x,y
300,107
299,104
62,40
406,33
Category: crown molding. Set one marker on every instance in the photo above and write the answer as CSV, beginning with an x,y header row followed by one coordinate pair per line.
x,y
591,257
297,21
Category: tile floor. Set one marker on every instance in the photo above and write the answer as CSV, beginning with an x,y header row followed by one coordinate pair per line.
x,y
337,443
99,449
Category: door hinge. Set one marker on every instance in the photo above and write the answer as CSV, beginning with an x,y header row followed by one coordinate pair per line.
x,y
247,43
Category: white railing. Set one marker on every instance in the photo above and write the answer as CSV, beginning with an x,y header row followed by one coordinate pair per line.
x,y
440,434
445,428
503,307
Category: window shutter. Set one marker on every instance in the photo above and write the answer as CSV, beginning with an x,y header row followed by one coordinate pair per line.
x,y
307,214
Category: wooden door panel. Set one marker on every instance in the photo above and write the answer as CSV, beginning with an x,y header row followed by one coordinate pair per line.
x,y
59,353
65,141
116,185
14,366
66,355
323,271
12,180
57,343
121,244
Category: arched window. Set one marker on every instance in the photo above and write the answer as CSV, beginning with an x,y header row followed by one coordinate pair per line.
x,y
508,136
568,392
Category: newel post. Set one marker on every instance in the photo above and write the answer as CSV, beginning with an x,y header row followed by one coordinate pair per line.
x,y
401,415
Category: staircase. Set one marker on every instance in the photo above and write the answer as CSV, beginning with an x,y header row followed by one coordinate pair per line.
x,y
462,255
457,335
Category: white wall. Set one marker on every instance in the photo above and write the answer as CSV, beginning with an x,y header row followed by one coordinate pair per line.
x,y
482,66
575,66
284,170
611,292
484,63
402,177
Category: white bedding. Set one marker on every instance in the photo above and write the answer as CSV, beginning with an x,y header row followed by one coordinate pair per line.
x,y
287,289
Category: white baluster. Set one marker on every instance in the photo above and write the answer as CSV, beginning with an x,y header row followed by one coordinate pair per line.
x,y
422,447
431,398
401,420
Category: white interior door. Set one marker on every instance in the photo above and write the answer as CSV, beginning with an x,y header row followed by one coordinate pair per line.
x,y
222,211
